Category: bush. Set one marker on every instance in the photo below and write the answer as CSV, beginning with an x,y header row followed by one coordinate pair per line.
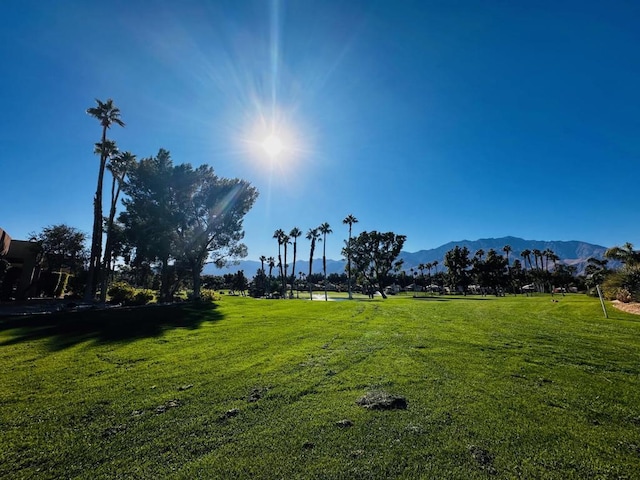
x,y
121,292
623,295
623,285
142,297
206,296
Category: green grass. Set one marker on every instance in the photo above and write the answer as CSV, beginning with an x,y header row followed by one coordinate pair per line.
x,y
501,387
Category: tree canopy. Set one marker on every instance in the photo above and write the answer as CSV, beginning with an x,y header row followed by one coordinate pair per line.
x,y
373,255
185,214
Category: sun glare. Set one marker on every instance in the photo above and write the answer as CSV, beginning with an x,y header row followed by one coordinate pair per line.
x,y
272,145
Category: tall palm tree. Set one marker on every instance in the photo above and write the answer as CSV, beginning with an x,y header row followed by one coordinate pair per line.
x,y
349,220
272,263
285,242
526,257
294,233
429,266
325,229
548,254
507,249
262,260
314,236
278,234
107,114
119,164
537,253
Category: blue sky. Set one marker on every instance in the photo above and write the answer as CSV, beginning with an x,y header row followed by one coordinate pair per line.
x,y
439,120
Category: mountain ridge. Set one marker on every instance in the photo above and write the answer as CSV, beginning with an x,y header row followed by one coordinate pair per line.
x,y
571,252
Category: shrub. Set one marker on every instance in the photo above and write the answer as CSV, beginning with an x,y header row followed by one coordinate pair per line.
x,y
142,297
623,295
206,296
623,285
121,292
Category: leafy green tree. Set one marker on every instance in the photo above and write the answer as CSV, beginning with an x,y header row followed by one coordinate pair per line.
x,y
149,215
325,229
62,247
349,220
457,262
184,214
209,212
374,255
107,114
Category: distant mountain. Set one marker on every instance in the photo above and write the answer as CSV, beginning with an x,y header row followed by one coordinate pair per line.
x,y
250,267
570,253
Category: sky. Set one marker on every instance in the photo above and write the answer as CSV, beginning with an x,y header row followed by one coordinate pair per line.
x,y
438,120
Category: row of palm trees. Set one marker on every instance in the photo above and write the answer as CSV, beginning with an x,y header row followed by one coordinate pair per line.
x,y
539,257
314,235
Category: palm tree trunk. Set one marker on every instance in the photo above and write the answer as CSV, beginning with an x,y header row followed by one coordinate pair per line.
x,y
96,236
349,263
293,271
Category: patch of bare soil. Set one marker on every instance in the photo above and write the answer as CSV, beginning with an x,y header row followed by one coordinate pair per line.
x,y
627,307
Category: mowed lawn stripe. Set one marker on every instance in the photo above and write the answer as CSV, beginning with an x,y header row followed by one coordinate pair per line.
x,y
510,386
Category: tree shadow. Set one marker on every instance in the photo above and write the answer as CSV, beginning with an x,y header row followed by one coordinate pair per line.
x,y
113,325
451,299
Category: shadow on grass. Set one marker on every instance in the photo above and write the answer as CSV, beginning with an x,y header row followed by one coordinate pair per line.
x,y
451,299
112,325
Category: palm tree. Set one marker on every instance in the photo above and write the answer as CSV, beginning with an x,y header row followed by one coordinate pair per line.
x,y
119,165
294,233
278,234
262,260
314,236
507,249
325,229
548,254
349,220
526,256
285,242
537,253
625,254
107,114
272,263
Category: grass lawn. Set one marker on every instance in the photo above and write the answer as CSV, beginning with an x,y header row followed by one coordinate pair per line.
x,y
495,387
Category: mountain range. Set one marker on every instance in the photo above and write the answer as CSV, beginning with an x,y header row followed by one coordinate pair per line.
x,y
570,252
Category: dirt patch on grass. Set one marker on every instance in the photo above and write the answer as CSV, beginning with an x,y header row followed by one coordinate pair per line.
x,y
380,400
627,307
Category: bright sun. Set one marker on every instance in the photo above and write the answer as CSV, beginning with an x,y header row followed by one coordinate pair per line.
x,y
272,145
